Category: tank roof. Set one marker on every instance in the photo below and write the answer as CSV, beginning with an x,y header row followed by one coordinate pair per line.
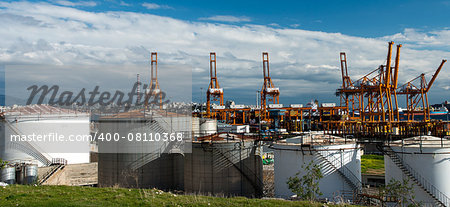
x,y
316,139
225,137
422,141
140,114
41,109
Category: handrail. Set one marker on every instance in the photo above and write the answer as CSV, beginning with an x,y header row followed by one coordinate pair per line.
x,y
342,168
426,185
259,185
28,148
164,148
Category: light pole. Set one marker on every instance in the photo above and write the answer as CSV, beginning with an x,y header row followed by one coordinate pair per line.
x,y
201,102
257,106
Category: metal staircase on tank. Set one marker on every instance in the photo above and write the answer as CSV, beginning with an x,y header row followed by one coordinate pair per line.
x,y
335,163
26,147
440,198
248,173
155,128
51,172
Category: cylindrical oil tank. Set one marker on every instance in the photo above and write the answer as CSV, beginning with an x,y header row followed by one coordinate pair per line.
x,y
426,158
43,120
8,174
31,174
208,126
196,126
143,164
164,172
224,168
340,165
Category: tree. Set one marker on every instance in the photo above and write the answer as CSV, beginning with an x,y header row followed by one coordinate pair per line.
x,y
2,163
307,186
402,191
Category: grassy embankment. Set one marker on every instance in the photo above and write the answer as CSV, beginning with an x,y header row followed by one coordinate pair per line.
x,y
22,195
372,164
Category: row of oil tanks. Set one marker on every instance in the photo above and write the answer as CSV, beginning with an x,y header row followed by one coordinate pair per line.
x,y
228,166
234,167
19,173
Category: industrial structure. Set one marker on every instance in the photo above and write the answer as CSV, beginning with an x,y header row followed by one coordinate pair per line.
x,y
269,93
206,162
368,112
339,160
423,161
372,104
369,106
221,148
415,92
43,120
20,173
153,90
214,91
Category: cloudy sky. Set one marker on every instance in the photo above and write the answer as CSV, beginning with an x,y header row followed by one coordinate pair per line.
x,y
303,39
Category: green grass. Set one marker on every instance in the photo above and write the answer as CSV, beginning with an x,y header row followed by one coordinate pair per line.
x,y
21,195
372,164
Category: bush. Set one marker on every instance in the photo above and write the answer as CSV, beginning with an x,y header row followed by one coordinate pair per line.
x,y
306,187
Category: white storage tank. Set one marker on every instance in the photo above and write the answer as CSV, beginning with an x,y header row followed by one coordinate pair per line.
x,y
208,127
423,160
8,175
195,126
240,129
44,120
275,106
328,104
31,174
237,106
339,160
224,167
218,107
296,105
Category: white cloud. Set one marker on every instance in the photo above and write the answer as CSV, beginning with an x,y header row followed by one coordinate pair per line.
x,y
423,39
302,63
155,6
322,66
227,18
77,3
122,3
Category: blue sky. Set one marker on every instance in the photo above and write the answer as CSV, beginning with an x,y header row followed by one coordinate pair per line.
x,y
303,39
359,18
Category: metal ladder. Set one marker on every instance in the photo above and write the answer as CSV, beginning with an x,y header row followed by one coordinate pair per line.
x,y
342,170
26,147
257,183
440,198
146,158
49,174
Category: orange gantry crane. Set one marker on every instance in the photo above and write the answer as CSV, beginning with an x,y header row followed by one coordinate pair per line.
x,y
370,97
154,92
269,93
214,92
416,92
372,102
